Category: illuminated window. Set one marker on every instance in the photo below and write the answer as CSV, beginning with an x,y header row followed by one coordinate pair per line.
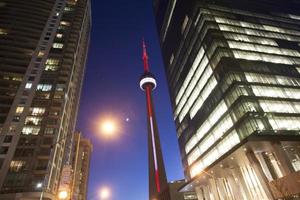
x,y
33,120
184,24
52,64
37,111
52,61
59,35
220,149
17,165
171,59
3,32
30,130
44,87
57,45
19,110
68,9
28,85
65,23
41,54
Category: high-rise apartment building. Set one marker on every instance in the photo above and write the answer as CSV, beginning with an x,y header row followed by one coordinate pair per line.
x,y
81,164
233,69
43,50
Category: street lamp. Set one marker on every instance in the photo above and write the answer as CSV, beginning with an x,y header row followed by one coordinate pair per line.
x,y
108,127
105,193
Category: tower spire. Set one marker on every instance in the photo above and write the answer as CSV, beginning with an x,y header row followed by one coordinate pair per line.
x,y
145,57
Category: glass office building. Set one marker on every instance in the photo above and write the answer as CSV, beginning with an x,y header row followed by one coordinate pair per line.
x,y
43,49
233,70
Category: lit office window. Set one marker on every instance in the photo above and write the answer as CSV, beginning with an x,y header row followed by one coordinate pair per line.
x,y
280,106
272,79
33,120
59,35
52,61
17,165
28,85
267,91
19,109
3,32
262,49
284,123
30,130
207,124
203,96
57,45
250,39
36,111
65,23
190,74
184,24
44,87
265,57
220,149
52,64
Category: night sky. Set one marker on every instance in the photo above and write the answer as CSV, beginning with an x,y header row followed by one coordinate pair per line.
x,y
111,90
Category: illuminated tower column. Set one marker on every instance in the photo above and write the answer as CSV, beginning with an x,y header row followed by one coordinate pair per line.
x,y
157,175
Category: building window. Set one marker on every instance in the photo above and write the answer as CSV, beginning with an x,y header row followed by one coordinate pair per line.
x,y
184,24
37,111
52,61
3,32
51,65
19,109
3,150
28,85
44,87
57,45
33,120
59,35
17,165
49,131
8,139
65,23
31,130
60,87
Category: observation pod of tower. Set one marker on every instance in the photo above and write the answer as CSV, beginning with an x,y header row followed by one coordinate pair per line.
x,y
147,79
158,185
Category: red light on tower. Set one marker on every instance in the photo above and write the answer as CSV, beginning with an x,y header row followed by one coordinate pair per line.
x,y
157,175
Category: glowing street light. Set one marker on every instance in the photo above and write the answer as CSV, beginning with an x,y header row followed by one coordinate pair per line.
x,y
105,193
63,195
108,127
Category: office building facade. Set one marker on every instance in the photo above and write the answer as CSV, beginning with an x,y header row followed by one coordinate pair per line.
x,y
233,72
43,50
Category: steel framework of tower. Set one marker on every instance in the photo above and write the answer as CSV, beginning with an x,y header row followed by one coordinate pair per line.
x,y
158,186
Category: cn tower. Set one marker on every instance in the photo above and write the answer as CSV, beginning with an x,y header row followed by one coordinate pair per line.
x,y
158,184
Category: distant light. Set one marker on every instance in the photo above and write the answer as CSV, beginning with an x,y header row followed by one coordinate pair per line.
x,y
62,195
105,193
127,119
39,185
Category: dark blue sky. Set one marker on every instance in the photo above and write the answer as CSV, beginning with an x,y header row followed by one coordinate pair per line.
x,y
111,88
